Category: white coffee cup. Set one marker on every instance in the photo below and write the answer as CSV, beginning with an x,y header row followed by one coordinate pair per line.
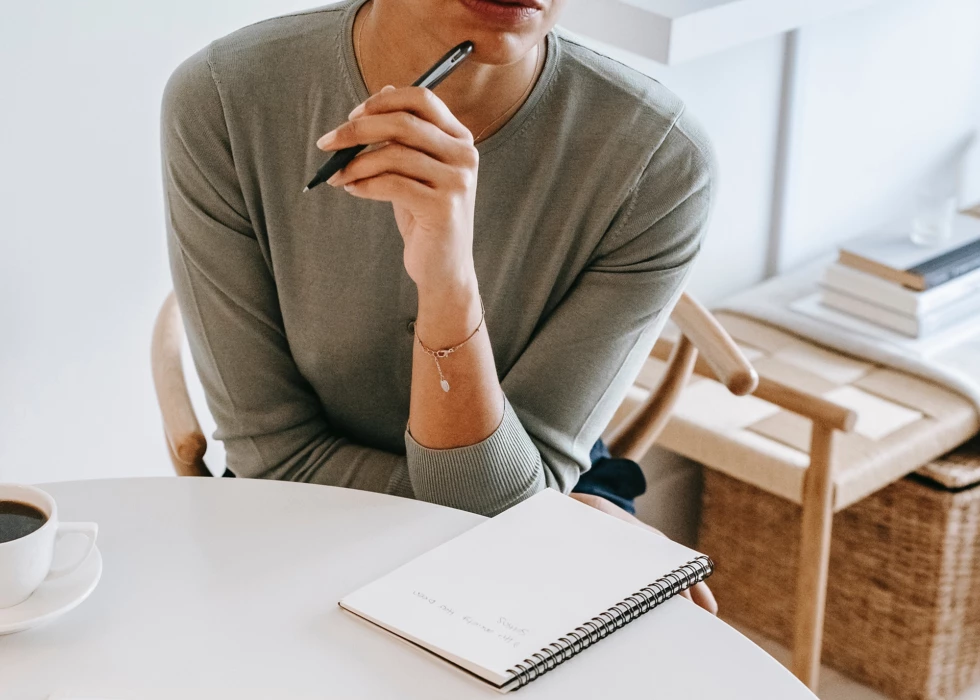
x,y
26,563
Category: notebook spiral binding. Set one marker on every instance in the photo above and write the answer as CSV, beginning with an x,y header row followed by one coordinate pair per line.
x,y
611,620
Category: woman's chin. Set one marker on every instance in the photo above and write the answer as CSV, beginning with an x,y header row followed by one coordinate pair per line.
x,y
497,48
499,55
496,42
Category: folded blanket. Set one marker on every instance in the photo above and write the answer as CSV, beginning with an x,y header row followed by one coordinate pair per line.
x,y
950,358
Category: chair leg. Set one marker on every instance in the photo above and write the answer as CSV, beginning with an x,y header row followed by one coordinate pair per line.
x,y
811,586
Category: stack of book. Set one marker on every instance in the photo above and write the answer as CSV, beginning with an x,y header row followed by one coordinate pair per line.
x,y
885,278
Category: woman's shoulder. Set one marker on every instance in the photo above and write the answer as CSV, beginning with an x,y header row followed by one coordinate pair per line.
x,y
267,51
619,109
277,37
628,102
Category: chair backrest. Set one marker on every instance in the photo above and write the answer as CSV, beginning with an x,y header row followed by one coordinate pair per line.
x,y
700,332
187,444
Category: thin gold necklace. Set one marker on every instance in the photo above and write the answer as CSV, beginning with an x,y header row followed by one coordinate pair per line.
x,y
534,75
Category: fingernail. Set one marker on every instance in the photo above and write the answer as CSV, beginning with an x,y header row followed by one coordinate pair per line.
x,y
332,180
349,187
356,112
386,88
326,139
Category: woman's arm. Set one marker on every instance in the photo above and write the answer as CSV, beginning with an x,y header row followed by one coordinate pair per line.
x,y
270,419
485,445
428,171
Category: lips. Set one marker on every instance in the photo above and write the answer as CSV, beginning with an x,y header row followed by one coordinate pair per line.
x,y
510,11
534,4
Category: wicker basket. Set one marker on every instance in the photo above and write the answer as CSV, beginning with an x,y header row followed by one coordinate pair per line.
x,y
903,601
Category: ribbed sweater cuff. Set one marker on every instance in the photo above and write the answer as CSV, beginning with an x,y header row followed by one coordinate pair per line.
x,y
400,484
484,478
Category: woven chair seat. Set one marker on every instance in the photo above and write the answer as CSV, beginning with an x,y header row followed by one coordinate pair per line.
x,y
903,422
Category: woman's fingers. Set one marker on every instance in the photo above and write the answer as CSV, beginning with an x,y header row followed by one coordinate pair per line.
x,y
421,102
401,127
702,596
397,159
389,188
414,117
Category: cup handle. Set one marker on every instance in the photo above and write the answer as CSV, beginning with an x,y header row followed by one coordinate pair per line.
x,y
87,530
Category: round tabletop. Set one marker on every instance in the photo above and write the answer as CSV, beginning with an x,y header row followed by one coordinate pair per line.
x,y
229,588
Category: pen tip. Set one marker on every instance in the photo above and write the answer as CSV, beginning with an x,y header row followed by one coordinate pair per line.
x,y
306,189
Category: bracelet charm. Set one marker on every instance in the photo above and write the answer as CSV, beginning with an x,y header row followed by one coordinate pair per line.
x,y
446,352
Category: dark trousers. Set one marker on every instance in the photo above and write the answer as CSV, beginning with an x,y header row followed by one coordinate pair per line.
x,y
617,480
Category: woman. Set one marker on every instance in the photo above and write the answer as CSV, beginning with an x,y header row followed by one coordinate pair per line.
x,y
314,318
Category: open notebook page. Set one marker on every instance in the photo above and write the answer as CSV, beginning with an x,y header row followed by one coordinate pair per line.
x,y
498,593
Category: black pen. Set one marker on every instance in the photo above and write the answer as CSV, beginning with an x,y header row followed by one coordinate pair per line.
x,y
430,79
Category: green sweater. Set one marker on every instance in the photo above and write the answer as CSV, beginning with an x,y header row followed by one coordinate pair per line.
x,y
589,212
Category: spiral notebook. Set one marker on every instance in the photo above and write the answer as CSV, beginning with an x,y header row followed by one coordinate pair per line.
x,y
527,590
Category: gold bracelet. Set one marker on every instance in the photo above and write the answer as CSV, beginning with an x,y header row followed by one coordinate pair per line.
x,y
442,354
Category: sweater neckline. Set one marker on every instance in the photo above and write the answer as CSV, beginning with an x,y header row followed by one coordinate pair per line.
x,y
359,91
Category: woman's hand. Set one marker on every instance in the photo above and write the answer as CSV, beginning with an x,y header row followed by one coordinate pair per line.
x,y
699,593
426,166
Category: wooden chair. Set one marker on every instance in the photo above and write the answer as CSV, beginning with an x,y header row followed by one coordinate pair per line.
x,y
632,437
809,450
186,443
703,346
817,506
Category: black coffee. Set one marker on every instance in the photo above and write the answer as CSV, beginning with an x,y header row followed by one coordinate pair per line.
x,y
19,520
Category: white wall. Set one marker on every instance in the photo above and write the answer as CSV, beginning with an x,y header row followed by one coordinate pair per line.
x,y
889,91
83,263
891,94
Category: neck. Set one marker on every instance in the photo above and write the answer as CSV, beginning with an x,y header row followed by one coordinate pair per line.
x,y
393,50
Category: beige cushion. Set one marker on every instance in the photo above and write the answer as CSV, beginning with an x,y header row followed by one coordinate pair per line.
x,y
903,422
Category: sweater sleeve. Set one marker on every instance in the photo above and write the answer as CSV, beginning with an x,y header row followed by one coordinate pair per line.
x,y
566,385
269,417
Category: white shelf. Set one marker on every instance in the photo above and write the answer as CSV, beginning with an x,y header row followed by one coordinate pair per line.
x,y
672,31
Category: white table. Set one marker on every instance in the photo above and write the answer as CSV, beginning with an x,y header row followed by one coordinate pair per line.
x,y
229,588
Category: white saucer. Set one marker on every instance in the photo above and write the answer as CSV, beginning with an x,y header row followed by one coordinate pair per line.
x,y
54,598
